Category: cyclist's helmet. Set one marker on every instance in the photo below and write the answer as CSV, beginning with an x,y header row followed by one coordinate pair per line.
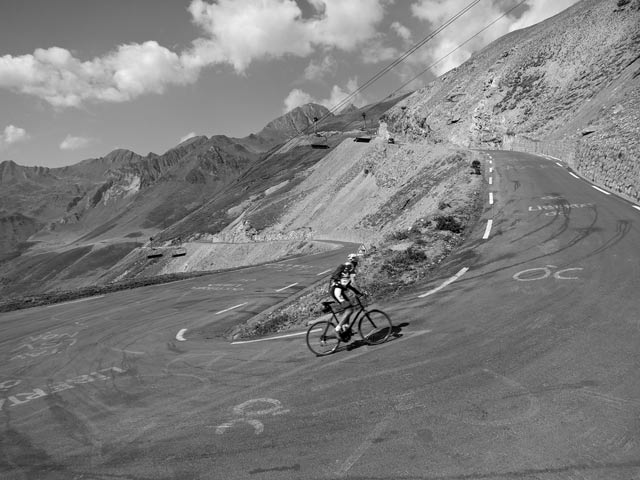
x,y
353,257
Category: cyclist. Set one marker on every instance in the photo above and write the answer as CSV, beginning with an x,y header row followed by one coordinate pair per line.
x,y
342,280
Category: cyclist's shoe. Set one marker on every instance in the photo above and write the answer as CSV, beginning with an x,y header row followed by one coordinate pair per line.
x,y
345,335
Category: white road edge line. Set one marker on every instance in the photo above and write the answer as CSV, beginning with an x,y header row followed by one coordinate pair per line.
x,y
322,273
490,198
230,308
487,230
559,164
288,286
636,207
270,338
74,301
447,282
600,190
574,175
180,334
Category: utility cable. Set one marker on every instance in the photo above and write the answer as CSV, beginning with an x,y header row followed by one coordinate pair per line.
x,y
455,49
486,27
399,60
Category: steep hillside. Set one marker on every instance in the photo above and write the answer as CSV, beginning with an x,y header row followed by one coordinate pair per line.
x,y
280,170
363,192
16,228
569,87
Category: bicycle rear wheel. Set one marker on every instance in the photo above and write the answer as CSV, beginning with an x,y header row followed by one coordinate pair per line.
x,y
322,338
375,327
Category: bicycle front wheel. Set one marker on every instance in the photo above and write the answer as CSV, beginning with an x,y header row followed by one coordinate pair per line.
x,y
322,338
375,327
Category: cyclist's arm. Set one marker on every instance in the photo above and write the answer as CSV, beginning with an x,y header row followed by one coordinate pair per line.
x,y
354,289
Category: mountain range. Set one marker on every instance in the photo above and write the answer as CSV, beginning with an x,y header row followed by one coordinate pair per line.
x,y
567,87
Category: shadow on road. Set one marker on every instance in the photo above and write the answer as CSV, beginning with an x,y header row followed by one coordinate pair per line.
x,y
396,332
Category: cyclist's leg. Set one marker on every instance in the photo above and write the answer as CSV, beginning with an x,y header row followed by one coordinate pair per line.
x,y
348,310
338,295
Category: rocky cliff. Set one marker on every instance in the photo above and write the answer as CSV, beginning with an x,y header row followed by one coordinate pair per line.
x,y
568,87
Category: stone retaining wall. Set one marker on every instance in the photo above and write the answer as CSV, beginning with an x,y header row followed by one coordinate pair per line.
x,y
606,161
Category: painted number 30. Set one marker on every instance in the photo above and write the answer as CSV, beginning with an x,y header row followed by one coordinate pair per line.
x,y
541,273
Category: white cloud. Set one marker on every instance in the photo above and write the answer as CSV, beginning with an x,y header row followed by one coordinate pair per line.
x,y
236,32
297,98
56,76
240,32
402,31
317,70
75,143
337,95
12,134
187,137
437,12
375,51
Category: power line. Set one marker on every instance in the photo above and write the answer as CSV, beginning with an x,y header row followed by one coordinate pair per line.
x,y
455,49
445,56
448,54
399,60
409,52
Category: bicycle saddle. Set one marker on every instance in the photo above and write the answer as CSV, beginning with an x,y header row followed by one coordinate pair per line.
x,y
326,306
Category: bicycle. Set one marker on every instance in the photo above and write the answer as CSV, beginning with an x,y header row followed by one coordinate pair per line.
x,y
374,327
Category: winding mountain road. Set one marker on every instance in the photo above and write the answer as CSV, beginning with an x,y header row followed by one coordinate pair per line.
x,y
519,361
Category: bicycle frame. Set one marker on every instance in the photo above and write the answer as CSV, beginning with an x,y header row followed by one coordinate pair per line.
x,y
359,310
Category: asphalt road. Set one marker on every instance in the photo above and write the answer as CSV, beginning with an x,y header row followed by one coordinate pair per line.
x,y
520,361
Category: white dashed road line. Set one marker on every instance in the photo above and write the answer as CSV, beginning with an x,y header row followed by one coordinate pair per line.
x,y
180,334
487,230
451,280
288,286
490,198
559,164
230,308
322,273
574,175
490,180
601,191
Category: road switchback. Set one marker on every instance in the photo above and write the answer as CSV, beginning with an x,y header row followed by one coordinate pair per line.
x,y
518,359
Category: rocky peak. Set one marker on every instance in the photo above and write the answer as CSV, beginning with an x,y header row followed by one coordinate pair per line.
x,y
10,171
298,120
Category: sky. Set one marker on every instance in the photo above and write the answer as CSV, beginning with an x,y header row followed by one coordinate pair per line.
x,y
80,78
